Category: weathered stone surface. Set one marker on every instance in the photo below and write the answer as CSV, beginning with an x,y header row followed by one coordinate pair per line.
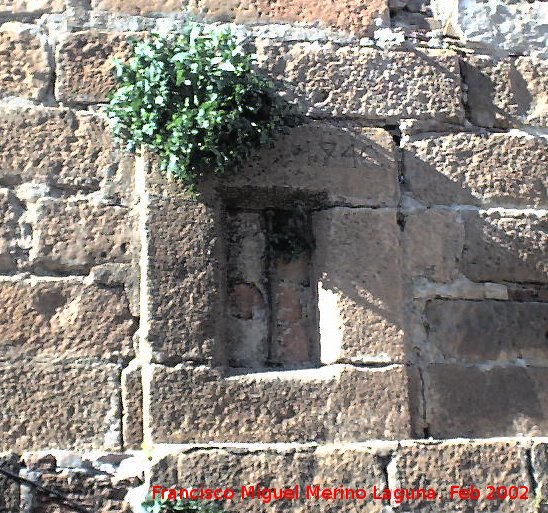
x,y
350,15
91,490
539,461
241,468
70,406
440,466
470,402
477,331
132,407
85,72
72,236
64,319
357,264
66,150
10,211
505,245
527,292
416,401
164,469
507,92
25,65
185,276
515,27
534,72
336,163
31,6
121,275
334,403
357,81
353,466
432,244
9,489
495,169
271,316
140,7
247,328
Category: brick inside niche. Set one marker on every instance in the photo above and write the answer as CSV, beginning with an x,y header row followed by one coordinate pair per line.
x,y
272,319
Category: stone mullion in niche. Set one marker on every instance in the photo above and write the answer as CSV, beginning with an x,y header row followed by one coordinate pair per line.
x,y
271,320
294,322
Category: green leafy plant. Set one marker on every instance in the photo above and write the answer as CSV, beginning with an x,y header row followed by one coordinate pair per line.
x,y
289,233
159,505
195,99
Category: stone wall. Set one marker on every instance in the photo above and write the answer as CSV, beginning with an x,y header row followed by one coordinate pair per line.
x,y
139,321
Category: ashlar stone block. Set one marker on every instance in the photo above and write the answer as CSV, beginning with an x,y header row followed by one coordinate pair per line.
x,y
357,17
68,406
505,245
357,264
185,274
64,319
350,80
481,331
329,163
507,92
25,69
471,169
72,236
65,150
349,465
333,403
432,244
442,465
466,401
85,70
361,18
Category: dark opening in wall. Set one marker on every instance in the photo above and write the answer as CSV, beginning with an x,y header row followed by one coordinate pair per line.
x,y
272,316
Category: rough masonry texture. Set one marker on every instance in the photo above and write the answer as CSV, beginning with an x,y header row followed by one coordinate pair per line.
x,y
27,73
65,318
68,150
280,406
506,92
60,405
334,80
152,336
484,464
469,169
31,6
